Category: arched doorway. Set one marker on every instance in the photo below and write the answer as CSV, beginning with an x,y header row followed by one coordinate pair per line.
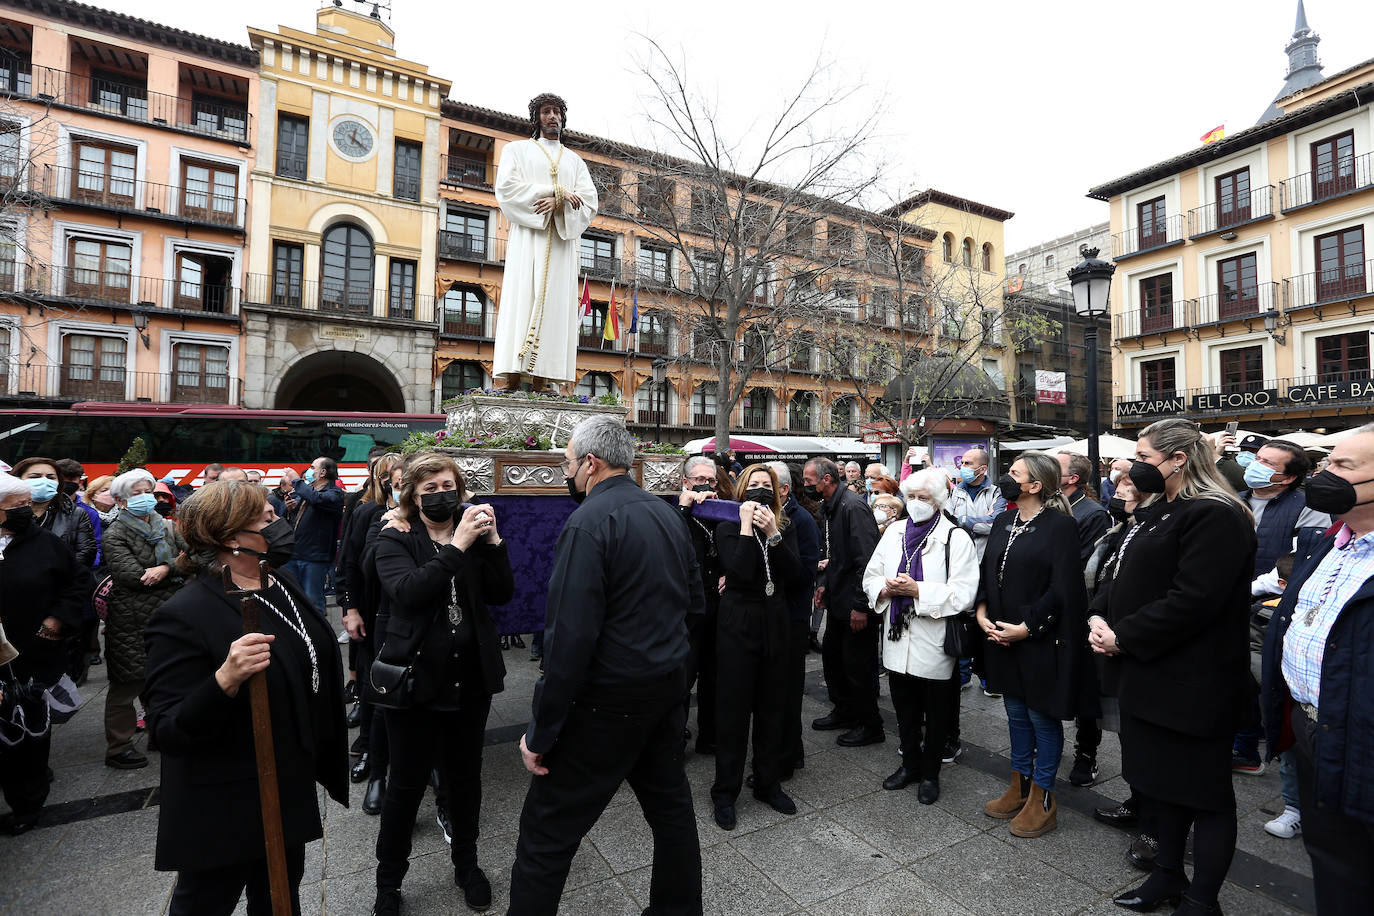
x,y
340,380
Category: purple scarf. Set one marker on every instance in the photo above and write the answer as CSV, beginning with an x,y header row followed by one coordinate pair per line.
x,y
913,540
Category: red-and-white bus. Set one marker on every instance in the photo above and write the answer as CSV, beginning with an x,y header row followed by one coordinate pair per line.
x,y
182,440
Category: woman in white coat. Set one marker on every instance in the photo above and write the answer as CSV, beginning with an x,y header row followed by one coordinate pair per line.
x,y
924,570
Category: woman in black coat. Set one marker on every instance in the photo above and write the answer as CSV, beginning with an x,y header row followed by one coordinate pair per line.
x,y
1031,604
759,556
42,597
1176,619
198,664
437,579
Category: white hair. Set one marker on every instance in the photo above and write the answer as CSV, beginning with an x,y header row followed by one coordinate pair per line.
x,y
122,487
851,464
13,486
783,472
694,461
879,466
933,480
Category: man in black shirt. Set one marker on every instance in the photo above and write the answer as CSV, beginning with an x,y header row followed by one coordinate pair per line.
x,y
849,654
609,706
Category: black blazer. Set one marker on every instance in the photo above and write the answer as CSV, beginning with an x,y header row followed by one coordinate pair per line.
x,y
1180,607
210,814
40,578
359,587
415,590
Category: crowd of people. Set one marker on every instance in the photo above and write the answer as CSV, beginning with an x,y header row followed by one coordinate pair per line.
x,y
1203,598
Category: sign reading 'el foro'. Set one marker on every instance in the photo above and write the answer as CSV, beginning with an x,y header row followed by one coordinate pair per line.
x,y
1237,400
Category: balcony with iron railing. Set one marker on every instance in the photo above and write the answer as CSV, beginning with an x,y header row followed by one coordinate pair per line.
x,y
114,288
1230,213
1299,396
602,268
337,298
651,344
466,172
484,248
703,419
1159,234
131,101
1158,319
757,419
1245,302
1336,284
461,324
70,382
1344,176
116,193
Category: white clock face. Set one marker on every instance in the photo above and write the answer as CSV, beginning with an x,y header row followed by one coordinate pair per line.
x,y
353,138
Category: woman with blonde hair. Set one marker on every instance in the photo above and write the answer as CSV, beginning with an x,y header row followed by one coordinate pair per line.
x,y
1175,621
924,571
1031,604
759,556
199,661
437,579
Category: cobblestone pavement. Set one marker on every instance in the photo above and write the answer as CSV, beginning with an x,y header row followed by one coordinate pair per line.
x,y
851,849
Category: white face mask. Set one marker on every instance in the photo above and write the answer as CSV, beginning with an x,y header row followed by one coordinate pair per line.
x,y
880,516
919,510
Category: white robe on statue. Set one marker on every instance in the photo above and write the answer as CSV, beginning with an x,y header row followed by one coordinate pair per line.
x,y
522,178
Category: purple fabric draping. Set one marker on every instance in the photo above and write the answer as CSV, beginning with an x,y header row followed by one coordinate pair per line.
x,y
530,526
914,540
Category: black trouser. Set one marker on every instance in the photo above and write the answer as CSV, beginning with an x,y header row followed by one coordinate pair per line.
x,y
850,662
378,746
612,734
216,891
24,774
952,706
420,738
922,707
753,684
1341,847
1087,736
798,646
1214,844
702,668
361,653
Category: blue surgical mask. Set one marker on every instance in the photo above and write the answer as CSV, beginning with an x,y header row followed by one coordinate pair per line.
x,y
1245,459
967,474
143,504
43,489
868,484
1258,475
309,475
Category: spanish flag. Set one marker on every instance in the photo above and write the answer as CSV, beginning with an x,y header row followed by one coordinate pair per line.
x,y
611,330
1215,134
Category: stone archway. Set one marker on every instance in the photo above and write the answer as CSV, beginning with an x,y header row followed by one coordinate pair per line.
x,y
339,380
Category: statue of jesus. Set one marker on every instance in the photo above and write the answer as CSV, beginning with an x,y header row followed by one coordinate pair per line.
x,y
547,195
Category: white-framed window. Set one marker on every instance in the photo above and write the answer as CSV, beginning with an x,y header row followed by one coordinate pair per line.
x,y
198,368
93,362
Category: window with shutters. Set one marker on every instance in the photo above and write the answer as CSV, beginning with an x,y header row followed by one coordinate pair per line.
x,y
1343,357
1238,284
99,269
293,146
1233,197
1242,369
1340,264
105,175
1157,303
406,183
465,312
210,192
94,367
200,373
1157,378
1152,229
401,289
288,273
1333,166
460,377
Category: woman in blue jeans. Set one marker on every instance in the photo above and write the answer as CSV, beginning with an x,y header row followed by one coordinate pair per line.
x,y
1031,604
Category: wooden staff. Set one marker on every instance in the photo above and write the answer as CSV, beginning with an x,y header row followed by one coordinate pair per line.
x,y
268,790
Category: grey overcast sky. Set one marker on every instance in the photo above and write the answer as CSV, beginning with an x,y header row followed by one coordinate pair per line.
x,y
1020,105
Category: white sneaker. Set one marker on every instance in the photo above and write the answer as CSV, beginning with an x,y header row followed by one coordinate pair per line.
x,y
1287,825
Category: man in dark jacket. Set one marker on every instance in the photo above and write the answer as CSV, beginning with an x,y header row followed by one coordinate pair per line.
x,y
849,653
799,601
315,504
1319,681
609,706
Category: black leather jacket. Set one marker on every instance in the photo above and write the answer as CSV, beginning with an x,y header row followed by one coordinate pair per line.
x,y
70,522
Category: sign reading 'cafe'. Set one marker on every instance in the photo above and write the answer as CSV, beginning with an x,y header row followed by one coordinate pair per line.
x,y
1241,401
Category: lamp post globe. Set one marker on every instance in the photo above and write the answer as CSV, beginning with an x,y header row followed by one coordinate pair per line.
x,y
1091,281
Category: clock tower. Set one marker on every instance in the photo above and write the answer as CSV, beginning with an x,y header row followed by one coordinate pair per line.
x,y
339,297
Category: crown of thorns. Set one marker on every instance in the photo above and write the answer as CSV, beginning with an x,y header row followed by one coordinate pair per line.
x,y
547,98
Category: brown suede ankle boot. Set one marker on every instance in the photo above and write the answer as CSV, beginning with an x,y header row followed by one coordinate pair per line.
x,y
1039,816
1011,801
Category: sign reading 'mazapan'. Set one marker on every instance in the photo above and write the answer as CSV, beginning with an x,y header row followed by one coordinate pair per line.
x,y
1151,407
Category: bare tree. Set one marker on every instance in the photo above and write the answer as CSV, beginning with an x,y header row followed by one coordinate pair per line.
x,y
738,221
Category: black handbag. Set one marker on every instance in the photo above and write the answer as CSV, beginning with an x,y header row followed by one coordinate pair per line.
x,y
961,635
393,685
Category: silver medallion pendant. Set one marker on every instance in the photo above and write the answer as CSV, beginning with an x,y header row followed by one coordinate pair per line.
x,y
768,589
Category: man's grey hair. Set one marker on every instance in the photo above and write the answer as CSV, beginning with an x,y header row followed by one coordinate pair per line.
x,y
881,467
783,472
13,486
851,464
607,439
825,466
981,454
122,487
696,460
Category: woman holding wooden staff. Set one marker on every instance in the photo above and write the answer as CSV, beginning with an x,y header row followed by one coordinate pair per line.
x,y
200,662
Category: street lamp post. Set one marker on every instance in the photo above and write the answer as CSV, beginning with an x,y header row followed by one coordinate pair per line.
x,y
1092,287
660,378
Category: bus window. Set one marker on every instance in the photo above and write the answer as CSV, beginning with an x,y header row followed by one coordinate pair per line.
x,y
355,446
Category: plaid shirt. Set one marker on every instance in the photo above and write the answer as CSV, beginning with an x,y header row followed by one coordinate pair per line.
x,y
1334,582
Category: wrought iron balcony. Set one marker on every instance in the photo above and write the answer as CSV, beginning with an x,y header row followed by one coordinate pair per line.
x,y
1344,176
466,173
73,382
602,268
1160,233
1245,302
1159,319
337,298
486,248
1222,215
106,287
120,193
1336,284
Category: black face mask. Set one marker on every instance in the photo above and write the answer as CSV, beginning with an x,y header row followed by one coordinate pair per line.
x,y
1010,487
70,487
163,509
1329,493
761,495
440,506
1117,507
281,542
386,489
699,488
812,492
1147,477
18,520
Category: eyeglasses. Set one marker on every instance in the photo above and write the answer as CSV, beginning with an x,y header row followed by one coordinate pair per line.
x,y
699,480
567,464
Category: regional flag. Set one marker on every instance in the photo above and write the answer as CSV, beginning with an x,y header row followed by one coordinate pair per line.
x,y
611,330
1215,134
586,300
634,312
